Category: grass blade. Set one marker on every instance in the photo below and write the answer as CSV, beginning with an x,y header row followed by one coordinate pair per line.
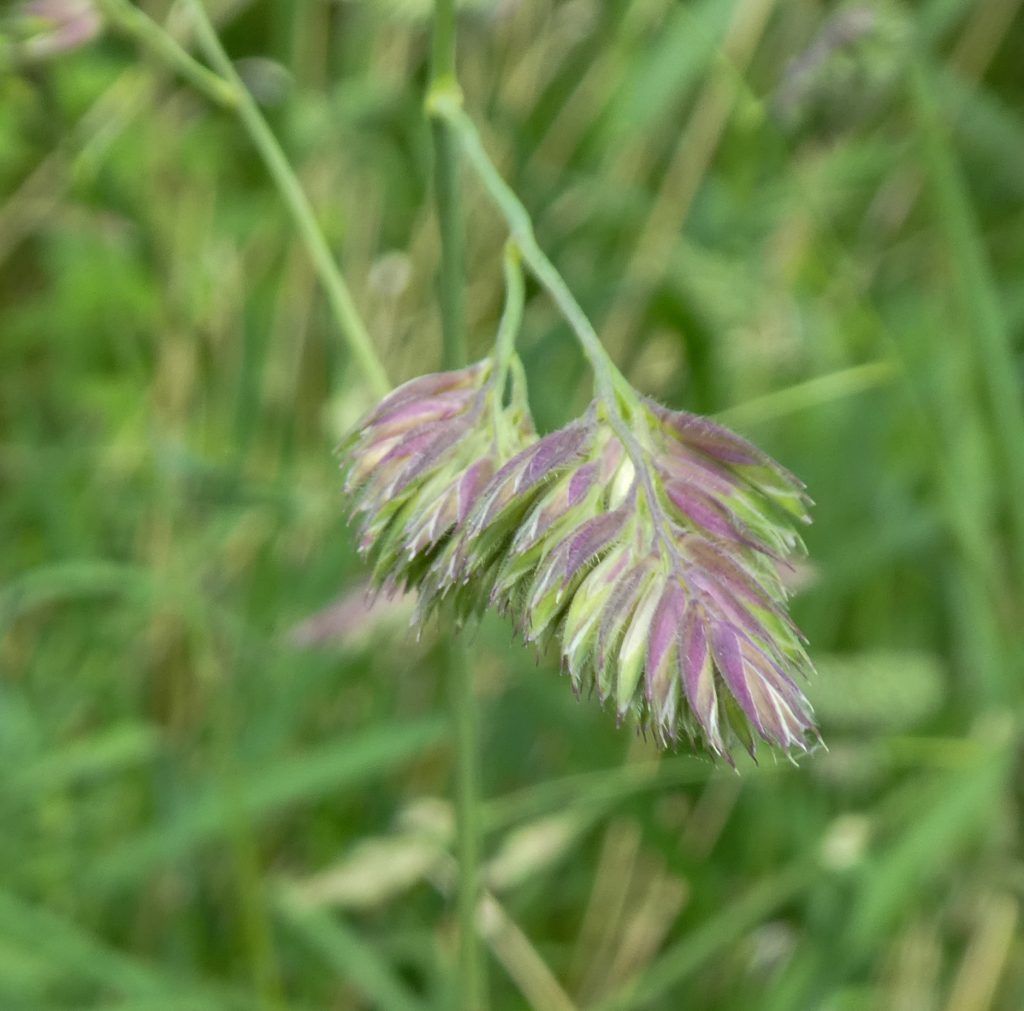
x,y
340,947
333,767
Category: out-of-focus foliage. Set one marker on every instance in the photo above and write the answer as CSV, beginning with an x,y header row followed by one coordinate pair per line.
x,y
223,779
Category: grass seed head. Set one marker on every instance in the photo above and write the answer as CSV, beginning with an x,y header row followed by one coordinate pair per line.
x,y
651,558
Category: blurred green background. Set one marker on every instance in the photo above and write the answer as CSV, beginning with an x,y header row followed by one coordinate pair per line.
x,y
225,783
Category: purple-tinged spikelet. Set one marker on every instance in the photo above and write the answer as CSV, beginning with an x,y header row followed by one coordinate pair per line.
x,y
655,565
419,461
647,544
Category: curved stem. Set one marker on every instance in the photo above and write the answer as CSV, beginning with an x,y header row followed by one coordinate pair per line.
x,y
612,386
130,20
511,314
505,341
227,89
342,305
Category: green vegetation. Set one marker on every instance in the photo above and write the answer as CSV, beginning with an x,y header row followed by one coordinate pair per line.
x,y
228,786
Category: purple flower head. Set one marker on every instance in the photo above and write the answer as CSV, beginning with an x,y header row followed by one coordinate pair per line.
x,y
649,551
475,566
418,462
723,485
645,543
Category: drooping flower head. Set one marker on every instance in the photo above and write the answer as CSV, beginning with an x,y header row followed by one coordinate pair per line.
x,y
646,543
651,552
418,462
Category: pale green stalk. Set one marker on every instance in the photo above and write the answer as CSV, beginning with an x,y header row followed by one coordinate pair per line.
x,y
349,321
133,22
505,342
445,103
447,195
511,313
462,698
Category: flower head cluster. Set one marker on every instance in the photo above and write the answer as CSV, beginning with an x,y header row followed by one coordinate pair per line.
x,y
645,542
418,462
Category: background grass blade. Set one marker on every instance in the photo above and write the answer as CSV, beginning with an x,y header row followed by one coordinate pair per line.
x,y
355,961
263,794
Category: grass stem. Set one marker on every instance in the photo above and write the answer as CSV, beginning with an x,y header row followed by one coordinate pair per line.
x,y
342,305
227,89
446,104
465,728
131,21
462,699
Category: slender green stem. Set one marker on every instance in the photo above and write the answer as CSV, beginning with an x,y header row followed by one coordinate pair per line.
x,y
611,385
613,389
451,278
342,305
227,89
505,341
466,733
511,314
447,194
443,42
462,697
134,23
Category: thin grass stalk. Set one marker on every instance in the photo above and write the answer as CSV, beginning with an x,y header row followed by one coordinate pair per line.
x,y
447,196
462,700
224,86
342,306
445,103
134,23
465,731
